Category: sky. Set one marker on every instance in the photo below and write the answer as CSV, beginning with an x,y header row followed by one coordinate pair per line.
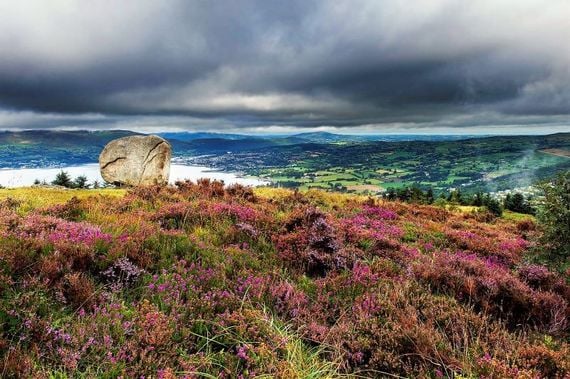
x,y
273,66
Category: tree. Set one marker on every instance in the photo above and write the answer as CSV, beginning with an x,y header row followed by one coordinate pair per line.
x,y
455,197
391,194
554,217
404,194
80,182
493,205
477,199
416,195
517,203
429,196
508,201
62,179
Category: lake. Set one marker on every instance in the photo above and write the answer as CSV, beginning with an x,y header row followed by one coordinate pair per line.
x,y
26,176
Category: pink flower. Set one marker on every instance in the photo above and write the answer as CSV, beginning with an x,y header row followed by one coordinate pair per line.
x,y
242,353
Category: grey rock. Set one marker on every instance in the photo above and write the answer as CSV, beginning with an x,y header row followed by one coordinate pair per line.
x,y
136,161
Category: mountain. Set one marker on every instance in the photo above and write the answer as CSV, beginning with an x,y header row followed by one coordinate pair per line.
x,y
325,137
191,136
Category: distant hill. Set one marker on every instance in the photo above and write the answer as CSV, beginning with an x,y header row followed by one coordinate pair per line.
x,y
326,137
191,136
59,138
41,148
46,148
325,160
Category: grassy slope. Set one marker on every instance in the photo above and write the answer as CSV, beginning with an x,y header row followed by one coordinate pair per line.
x,y
200,281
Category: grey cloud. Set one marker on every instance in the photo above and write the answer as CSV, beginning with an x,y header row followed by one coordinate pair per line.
x,y
295,63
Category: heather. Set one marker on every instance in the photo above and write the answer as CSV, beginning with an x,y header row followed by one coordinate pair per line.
x,y
201,280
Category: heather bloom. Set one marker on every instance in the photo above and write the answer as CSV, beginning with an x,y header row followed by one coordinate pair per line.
x,y
203,280
362,274
122,273
58,231
288,300
253,286
366,306
381,213
514,245
537,276
240,212
241,352
376,229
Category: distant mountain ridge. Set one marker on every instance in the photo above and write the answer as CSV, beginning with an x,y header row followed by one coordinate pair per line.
x,y
191,136
48,148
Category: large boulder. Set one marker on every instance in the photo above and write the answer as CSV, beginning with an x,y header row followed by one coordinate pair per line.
x,y
136,160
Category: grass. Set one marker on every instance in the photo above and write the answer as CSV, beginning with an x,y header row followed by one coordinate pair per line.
x,y
37,197
514,216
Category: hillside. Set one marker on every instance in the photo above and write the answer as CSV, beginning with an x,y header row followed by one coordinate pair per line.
x,y
325,160
199,281
478,164
48,148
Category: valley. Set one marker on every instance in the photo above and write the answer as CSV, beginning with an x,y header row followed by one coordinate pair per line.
x,y
327,161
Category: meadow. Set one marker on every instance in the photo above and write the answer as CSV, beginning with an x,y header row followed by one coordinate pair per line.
x,y
199,280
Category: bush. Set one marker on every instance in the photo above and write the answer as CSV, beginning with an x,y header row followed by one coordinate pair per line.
x,y
554,218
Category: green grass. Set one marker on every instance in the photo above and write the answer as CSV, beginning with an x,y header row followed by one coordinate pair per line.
x,y
514,216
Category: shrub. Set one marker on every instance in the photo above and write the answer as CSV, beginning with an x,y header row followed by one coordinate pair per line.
x,y
554,218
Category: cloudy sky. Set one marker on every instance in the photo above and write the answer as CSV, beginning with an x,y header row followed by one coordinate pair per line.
x,y
275,66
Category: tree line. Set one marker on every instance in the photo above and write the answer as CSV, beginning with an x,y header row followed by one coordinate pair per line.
x,y
63,179
516,202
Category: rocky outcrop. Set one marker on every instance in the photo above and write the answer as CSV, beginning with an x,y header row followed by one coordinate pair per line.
x,y
136,160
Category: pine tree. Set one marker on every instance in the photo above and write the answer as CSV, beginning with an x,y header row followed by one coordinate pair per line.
x,y
493,205
80,182
62,179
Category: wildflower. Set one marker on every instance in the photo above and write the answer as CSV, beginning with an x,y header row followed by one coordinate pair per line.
x,y
242,352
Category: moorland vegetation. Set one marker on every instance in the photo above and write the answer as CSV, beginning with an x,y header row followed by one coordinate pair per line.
x,y
201,280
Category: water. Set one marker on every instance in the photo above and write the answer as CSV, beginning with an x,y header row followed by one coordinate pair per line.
x,y
26,176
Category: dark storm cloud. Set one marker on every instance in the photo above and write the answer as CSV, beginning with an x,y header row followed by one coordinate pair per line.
x,y
295,63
